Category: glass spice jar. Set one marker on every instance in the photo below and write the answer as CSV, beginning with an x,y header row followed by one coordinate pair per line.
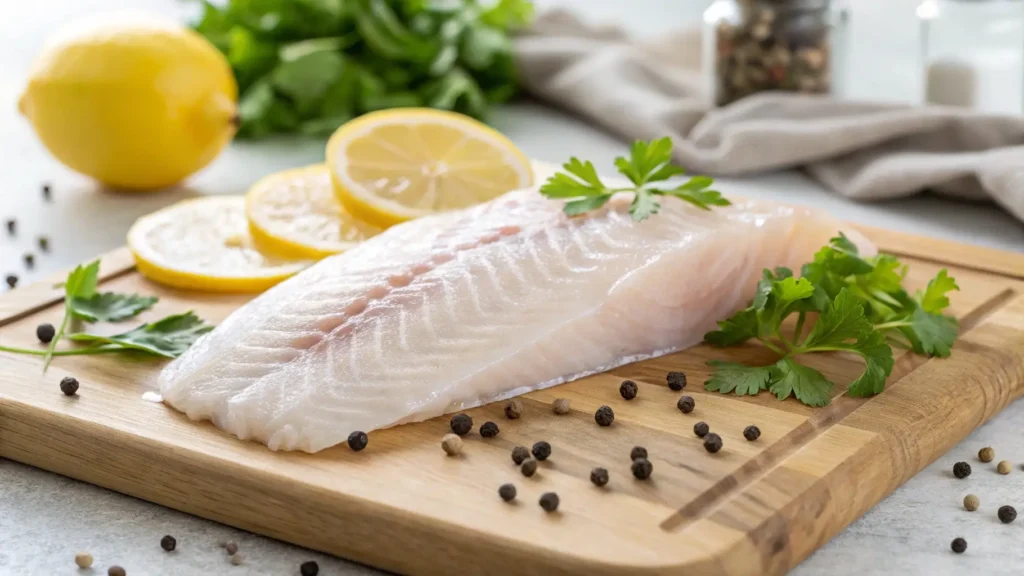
x,y
756,45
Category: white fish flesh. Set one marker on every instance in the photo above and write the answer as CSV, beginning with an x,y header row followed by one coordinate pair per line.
x,y
460,309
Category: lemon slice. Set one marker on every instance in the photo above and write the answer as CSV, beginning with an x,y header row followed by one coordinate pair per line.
x,y
296,215
396,165
204,244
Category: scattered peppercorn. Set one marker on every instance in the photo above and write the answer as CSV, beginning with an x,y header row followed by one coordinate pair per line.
x,y
676,380
604,416
12,226
1007,514
599,476
47,192
561,406
168,543
45,332
357,441
712,442
971,502
489,430
514,409
30,260
116,571
83,559
231,548
541,450
959,545
961,470
236,559
520,454
642,468
69,386
529,467
549,501
507,492
44,243
685,404
637,453
986,454
751,433
309,568
461,424
1004,467
701,429
451,444
628,389
12,281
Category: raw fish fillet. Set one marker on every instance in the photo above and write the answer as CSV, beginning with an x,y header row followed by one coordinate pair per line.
x,y
460,309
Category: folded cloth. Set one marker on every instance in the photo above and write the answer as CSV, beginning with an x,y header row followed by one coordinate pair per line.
x,y
865,151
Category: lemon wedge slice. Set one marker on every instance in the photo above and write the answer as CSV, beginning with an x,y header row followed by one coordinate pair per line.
x,y
295,214
204,244
396,165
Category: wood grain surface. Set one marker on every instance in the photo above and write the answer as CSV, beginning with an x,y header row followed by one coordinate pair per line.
x,y
753,508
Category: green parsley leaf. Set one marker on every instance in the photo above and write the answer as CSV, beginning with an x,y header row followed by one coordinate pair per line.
x,y
703,199
744,380
735,330
934,299
169,337
110,306
878,360
646,159
931,334
807,384
644,205
842,321
580,180
584,205
81,283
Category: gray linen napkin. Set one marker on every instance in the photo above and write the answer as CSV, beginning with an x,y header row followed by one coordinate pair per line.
x,y
865,151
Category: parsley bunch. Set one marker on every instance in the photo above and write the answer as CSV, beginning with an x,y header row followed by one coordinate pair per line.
x,y
168,337
860,307
648,163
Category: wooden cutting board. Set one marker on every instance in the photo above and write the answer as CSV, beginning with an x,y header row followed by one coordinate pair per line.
x,y
753,508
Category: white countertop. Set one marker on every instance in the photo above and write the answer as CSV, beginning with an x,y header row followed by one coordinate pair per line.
x,y
45,518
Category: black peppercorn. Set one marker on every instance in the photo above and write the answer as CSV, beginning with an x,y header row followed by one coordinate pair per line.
x,y
489,430
541,450
44,243
45,332
47,192
599,476
529,467
701,429
520,454
549,501
309,568
1007,514
604,416
461,424
628,389
12,281
116,571
676,380
168,543
357,440
642,468
507,492
638,452
30,260
959,545
685,404
712,442
751,433
12,226
961,470
69,386
514,409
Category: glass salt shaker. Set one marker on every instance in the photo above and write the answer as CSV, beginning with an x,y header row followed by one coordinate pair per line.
x,y
756,45
973,53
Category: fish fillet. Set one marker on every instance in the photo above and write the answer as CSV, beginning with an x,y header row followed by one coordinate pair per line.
x,y
456,310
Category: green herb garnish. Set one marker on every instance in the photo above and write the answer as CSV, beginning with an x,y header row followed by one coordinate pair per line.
x,y
168,337
308,67
648,163
859,306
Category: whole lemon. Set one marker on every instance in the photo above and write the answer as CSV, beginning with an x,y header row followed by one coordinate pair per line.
x,y
133,100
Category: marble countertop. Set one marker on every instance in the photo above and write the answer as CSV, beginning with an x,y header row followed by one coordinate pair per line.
x,y
45,518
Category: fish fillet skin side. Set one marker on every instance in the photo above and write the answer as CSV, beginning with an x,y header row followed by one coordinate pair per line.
x,y
459,309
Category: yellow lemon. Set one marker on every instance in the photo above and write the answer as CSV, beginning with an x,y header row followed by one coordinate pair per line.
x,y
295,214
396,165
132,100
204,244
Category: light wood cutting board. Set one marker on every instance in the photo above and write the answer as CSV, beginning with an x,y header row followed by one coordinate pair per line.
x,y
754,508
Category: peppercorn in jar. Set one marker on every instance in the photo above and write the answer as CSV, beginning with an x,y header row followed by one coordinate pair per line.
x,y
755,45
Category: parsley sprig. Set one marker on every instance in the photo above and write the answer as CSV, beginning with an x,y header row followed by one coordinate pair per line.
x,y
168,337
648,163
858,306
